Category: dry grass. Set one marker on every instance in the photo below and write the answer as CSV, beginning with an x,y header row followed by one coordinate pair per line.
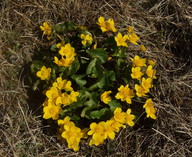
x,y
165,26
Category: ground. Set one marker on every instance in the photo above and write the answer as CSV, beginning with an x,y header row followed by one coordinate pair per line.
x,y
165,27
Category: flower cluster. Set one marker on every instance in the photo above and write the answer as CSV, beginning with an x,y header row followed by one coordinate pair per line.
x,y
104,130
106,25
67,53
91,89
71,133
86,39
46,28
58,96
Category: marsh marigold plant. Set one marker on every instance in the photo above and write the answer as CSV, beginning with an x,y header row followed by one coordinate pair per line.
x,y
94,82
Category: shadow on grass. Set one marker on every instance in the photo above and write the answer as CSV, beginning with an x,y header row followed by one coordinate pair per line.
x,y
36,97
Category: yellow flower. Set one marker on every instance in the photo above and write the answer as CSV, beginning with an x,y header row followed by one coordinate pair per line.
x,y
133,38
146,83
140,91
106,25
51,111
63,84
97,132
151,72
150,62
105,97
73,96
115,124
119,116
67,51
150,109
130,29
73,136
109,130
82,27
138,62
125,94
46,28
64,62
44,73
136,73
143,48
86,39
68,56
121,40
64,99
61,44
52,94
129,117
65,121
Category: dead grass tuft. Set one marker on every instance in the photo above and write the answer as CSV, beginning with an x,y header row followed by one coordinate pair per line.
x,y
164,26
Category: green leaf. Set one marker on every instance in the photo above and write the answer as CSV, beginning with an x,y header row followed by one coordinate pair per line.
x,y
78,79
91,66
65,27
103,82
84,95
113,104
54,48
93,99
98,53
94,69
84,112
98,113
73,68
111,75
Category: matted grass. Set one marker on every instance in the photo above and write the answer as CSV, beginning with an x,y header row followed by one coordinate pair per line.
x,y
165,27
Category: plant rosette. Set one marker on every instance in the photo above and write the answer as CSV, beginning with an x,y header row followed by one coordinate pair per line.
x,y
92,89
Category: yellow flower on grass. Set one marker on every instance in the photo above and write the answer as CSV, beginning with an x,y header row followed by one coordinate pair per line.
x,y
143,48
115,124
150,109
133,38
51,111
125,94
151,72
82,27
86,39
130,29
44,73
121,40
106,25
136,73
140,91
146,83
73,136
105,97
138,62
109,130
46,28
97,132
129,118
150,62
119,116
